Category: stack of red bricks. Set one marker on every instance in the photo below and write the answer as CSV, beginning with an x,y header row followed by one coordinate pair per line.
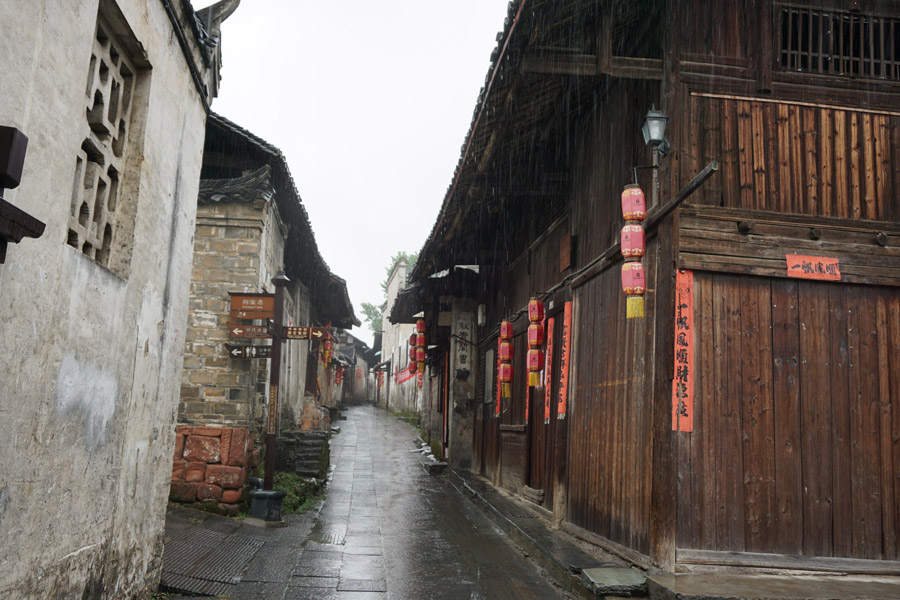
x,y
211,465
313,417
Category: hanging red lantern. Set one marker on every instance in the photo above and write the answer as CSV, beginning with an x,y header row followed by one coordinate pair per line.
x,y
506,351
535,310
506,330
634,204
535,362
413,367
505,376
412,353
420,326
412,339
535,358
632,241
633,285
420,340
420,354
634,210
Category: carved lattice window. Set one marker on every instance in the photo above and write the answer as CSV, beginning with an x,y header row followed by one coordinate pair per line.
x,y
844,43
96,213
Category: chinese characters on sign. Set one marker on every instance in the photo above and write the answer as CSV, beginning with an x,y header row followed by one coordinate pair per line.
x,y
813,267
564,362
548,379
497,411
683,383
253,306
273,409
463,349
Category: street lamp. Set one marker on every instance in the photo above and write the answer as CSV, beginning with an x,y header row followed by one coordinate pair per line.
x,y
654,131
654,127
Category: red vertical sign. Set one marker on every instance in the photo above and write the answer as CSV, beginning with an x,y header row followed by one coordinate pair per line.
x,y
683,382
548,373
564,354
497,412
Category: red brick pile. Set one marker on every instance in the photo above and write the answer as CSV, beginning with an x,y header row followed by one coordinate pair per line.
x,y
211,465
313,417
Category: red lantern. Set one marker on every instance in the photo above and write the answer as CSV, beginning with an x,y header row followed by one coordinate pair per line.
x,y
633,285
420,340
420,354
327,345
412,366
632,241
634,205
506,330
421,366
535,362
535,335
505,376
412,353
420,326
535,310
412,339
506,351
633,279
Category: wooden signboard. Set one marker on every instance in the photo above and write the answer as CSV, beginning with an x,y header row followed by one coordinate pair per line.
x,y
253,306
813,267
248,331
564,360
683,381
304,333
249,351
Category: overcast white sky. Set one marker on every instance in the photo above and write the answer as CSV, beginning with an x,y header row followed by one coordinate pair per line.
x,y
370,102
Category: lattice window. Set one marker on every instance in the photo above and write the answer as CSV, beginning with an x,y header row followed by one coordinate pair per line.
x,y
95,215
839,43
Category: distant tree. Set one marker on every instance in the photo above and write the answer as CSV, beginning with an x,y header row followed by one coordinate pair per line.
x,y
372,315
411,259
371,311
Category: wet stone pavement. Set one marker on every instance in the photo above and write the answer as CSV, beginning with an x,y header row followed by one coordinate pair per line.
x,y
388,530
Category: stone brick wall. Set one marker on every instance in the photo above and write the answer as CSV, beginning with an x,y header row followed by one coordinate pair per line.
x,y
217,390
211,465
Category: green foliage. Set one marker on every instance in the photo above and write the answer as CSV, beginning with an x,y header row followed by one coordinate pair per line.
x,y
411,259
301,493
372,315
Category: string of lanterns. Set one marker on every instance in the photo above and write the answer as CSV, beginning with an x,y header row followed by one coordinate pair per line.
x,y
634,209
535,359
505,351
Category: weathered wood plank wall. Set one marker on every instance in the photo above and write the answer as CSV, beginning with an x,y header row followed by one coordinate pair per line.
x,y
796,417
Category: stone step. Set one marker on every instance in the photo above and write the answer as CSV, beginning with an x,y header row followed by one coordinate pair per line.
x,y
615,581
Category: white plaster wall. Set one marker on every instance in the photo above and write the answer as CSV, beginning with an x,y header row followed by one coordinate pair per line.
x,y
91,362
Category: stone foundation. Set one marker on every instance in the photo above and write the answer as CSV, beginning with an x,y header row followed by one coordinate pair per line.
x,y
211,465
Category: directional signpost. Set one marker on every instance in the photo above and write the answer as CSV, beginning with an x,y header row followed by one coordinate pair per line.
x,y
248,331
249,351
252,306
304,333
269,307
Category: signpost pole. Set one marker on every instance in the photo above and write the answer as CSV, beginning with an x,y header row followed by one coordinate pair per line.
x,y
280,281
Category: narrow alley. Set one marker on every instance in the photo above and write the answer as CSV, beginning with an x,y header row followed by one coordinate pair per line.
x,y
389,530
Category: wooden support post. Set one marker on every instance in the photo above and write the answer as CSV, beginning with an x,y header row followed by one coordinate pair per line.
x,y
280,280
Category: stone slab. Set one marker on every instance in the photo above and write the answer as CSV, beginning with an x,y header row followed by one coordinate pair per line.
x,y
615,581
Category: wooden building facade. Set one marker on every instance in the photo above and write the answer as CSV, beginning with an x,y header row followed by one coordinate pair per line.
x,y
786,262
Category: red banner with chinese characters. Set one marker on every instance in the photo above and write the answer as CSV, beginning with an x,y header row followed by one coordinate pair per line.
x,y
497,412
404,375
813,267
683,383
564,352
548,378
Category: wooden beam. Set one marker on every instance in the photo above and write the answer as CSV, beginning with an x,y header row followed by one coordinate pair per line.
x,y
590,65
